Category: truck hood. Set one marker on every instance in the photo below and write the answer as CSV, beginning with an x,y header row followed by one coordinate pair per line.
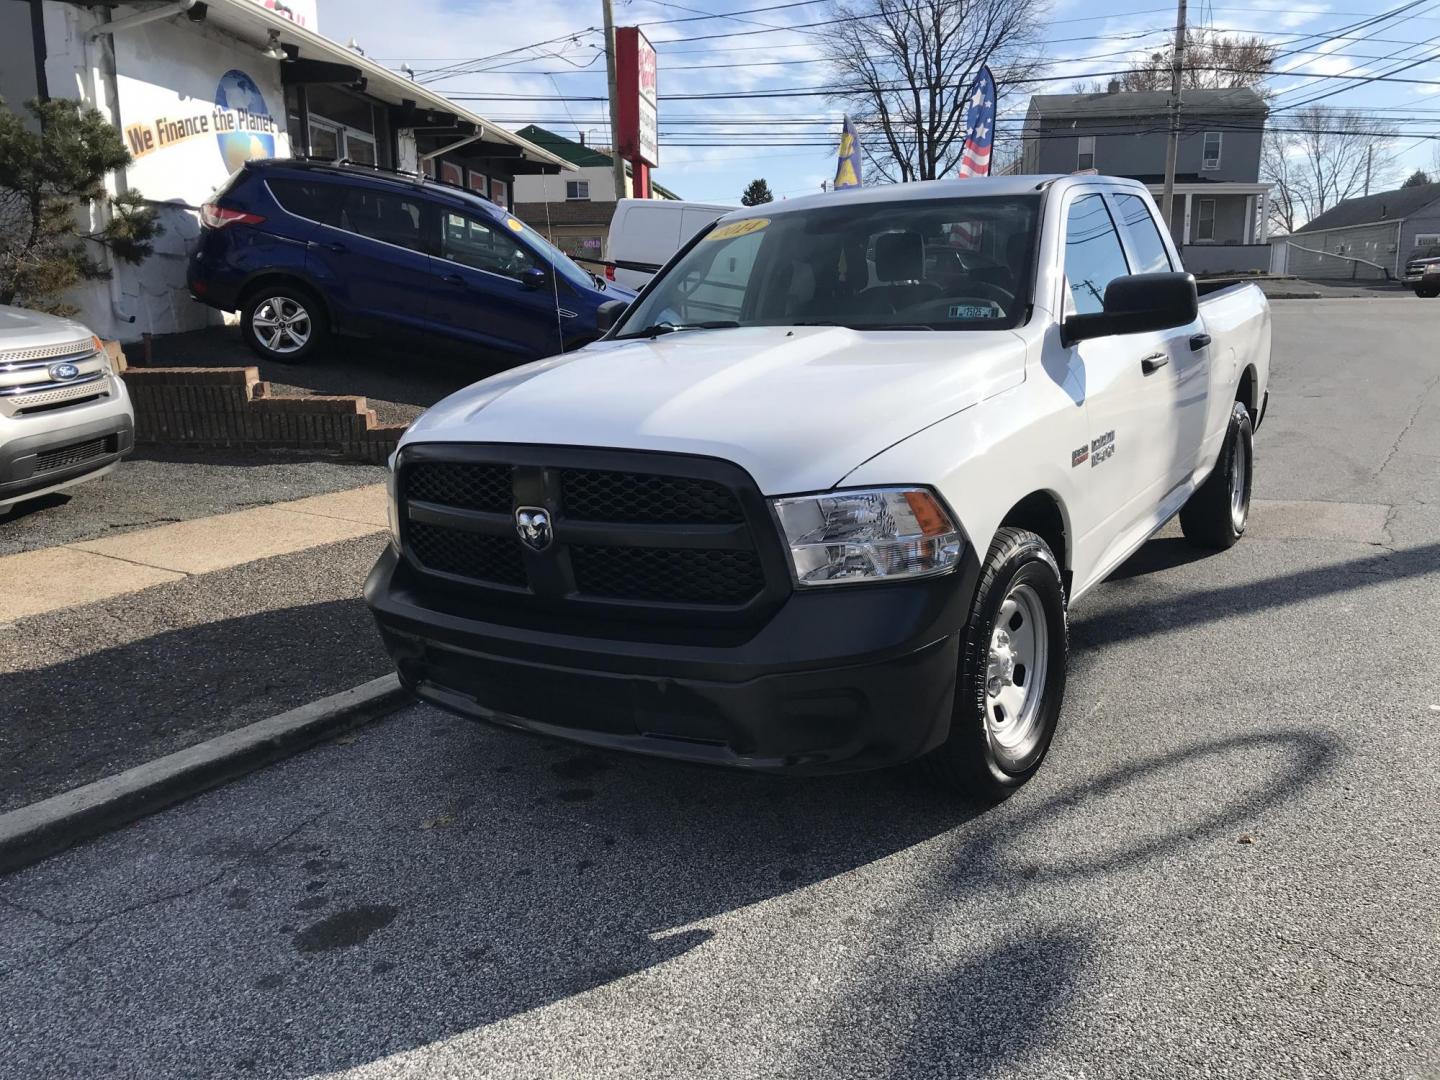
x,y
796,407
21,328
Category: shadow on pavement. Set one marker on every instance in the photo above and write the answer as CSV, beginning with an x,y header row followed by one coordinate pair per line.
x,y
92,715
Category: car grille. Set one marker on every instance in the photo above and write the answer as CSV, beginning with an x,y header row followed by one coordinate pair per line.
x,y
65,457
681,532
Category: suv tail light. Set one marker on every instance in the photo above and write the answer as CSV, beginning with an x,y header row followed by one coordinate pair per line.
x,y
217,217
609,273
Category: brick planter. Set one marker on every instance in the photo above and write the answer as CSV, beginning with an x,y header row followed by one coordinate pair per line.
x,y
204,407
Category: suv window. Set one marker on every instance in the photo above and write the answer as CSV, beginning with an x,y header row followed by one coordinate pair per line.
x,y
1144,237
395,219
1093,255
318,202
483,245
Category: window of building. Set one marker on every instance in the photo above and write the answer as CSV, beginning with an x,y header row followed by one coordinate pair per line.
x,y
577,190
499,192
1211,156
1144,236
382,216
1205,221
1085,152
479,244
1093,255
452,173
477,182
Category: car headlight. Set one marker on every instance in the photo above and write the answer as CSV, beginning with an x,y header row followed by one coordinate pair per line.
x,y
869,534
392,509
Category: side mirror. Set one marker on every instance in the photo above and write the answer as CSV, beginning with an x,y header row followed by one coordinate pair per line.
x,y
534,278
608,314
1137,304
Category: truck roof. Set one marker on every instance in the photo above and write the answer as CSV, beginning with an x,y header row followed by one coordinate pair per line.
x,y
974,187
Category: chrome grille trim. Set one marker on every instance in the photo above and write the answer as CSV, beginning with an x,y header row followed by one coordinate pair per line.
x,y
12,359
13,392
87,390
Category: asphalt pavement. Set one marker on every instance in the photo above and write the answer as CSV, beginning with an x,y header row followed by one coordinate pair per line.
x,y
1227,867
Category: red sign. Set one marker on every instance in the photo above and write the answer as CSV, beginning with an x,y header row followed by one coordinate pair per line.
x,y
636,70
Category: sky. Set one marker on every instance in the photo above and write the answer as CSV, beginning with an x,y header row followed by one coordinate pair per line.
x,y
759,51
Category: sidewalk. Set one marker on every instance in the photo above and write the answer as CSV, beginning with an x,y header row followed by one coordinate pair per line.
x,y
120,649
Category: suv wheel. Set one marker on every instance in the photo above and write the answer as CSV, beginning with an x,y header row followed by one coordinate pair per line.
x,y
1012,672
283,323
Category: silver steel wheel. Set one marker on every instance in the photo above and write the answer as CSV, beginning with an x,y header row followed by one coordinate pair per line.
x,y
1015,675
281,324
1239,484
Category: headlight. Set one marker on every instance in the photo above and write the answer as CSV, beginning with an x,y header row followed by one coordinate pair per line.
x,y
872,534
392,511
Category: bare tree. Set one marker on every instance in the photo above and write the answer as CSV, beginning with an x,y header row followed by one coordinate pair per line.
x,y
1320,157
904,68
1213,61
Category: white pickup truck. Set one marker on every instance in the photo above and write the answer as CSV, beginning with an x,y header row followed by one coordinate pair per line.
x,y
820,498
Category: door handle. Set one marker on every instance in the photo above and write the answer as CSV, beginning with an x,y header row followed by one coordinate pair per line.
x,y
1153,363
453,279
336,247
1199,341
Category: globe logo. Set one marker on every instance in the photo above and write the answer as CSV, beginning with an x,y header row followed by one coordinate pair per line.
x,y
240,100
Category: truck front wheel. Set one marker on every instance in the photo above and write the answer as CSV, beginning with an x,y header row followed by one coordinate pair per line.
x,y
1216,513
1012,672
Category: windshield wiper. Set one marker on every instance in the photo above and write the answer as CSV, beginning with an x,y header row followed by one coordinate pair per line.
x,y
865,326
656,329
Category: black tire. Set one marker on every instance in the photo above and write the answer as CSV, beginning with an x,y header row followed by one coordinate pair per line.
x,y
1428,292
1212,517
303,316
974,760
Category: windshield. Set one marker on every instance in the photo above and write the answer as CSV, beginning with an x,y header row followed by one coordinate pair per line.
x,y
1428,251
941,264
557,258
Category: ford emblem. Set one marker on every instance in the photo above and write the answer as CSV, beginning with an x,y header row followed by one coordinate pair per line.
x,y
533,525
64,372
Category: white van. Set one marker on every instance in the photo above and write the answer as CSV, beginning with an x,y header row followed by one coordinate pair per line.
x,y
650,231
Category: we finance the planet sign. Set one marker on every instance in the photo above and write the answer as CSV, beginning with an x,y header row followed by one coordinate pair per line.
x,y
240,122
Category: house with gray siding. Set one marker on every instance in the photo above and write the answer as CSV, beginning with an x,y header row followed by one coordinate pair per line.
x,y
1219,211
1364,239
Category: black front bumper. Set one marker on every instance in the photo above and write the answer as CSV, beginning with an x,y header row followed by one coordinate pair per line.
x,y
837,679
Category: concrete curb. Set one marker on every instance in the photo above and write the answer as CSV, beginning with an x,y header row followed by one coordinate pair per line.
x,y
34,832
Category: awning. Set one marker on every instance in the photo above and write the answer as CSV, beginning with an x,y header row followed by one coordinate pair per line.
x,y
252,23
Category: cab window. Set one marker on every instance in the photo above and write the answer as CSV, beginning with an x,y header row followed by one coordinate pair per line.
x,y
1093,255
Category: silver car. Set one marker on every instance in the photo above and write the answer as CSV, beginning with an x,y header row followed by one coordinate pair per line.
x,y
65,415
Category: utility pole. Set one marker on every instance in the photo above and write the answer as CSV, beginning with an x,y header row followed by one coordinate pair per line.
x,y
1177,68
610,57
1369,153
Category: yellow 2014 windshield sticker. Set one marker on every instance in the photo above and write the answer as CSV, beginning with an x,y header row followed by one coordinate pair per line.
x,y
738,228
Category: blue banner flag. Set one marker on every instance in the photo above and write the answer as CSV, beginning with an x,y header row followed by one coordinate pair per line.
x,y
847,169
979,127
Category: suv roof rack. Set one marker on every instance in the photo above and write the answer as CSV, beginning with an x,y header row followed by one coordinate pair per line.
x,y
363,167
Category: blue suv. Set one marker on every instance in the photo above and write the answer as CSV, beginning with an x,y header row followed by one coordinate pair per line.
x,y
305,249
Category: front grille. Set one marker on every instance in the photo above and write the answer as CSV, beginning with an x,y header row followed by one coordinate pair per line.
x,y
470,487
47,352
689,532
65,457
637,498
494,559
670,575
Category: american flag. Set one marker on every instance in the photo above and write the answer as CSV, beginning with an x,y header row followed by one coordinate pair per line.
x,y
979,127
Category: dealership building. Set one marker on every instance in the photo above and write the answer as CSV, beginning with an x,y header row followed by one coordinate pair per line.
x,y
198,87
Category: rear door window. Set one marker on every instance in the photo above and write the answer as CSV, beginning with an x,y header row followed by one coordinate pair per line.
x,y
1140,229
380,215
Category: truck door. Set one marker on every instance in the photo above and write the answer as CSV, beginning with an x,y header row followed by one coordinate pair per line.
x,y
1131,448
1186,375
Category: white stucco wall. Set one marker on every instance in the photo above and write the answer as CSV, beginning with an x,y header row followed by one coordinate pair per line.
x,y
168,85
530,189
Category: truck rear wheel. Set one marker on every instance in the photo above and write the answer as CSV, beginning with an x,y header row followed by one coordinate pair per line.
x,y
1012,672
1216,513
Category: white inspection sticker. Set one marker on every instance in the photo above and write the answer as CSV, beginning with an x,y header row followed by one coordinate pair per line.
x,y
973,311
